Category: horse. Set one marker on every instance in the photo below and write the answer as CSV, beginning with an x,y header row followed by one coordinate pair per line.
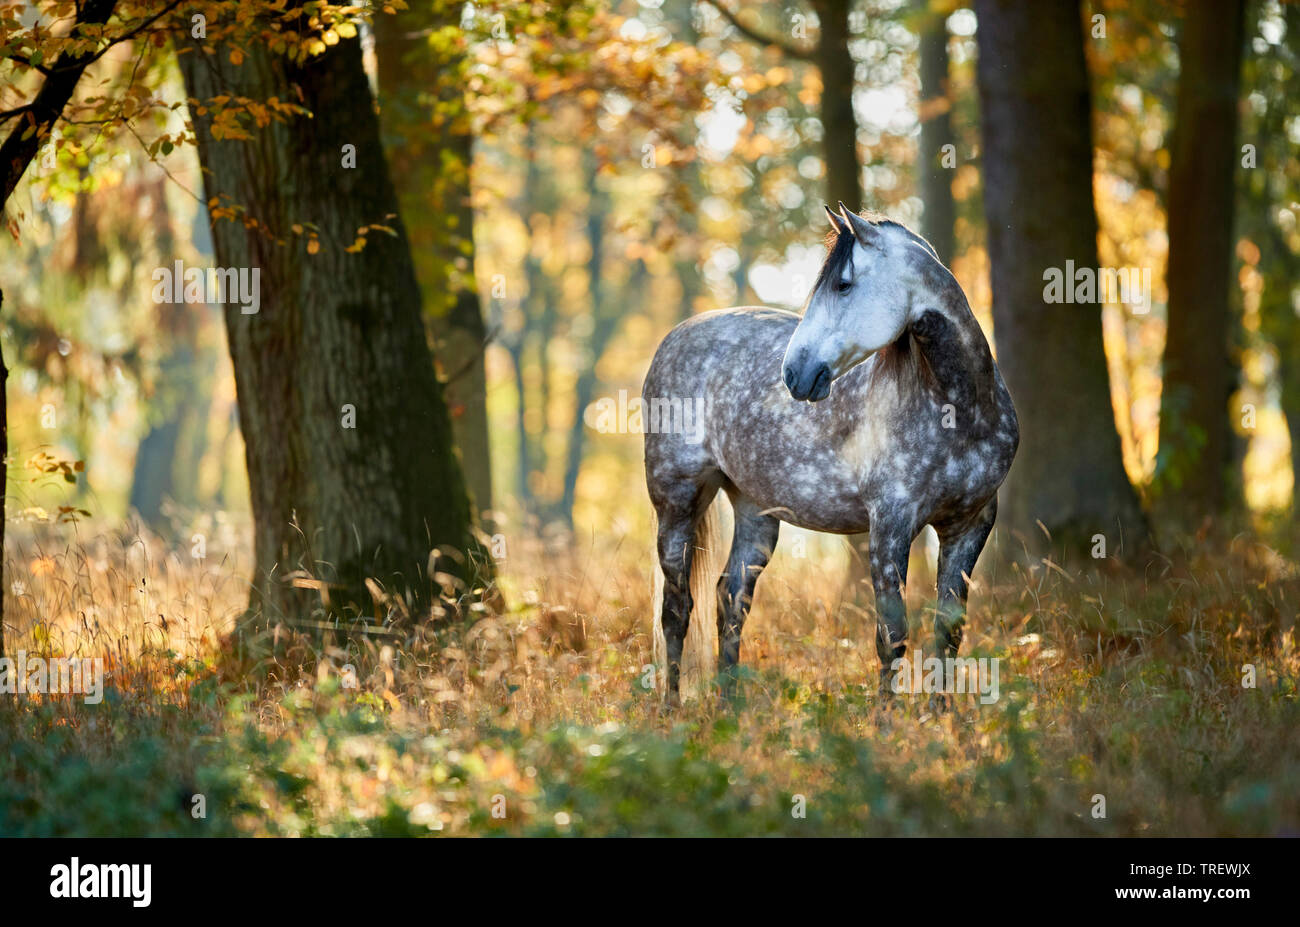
x,y
880,409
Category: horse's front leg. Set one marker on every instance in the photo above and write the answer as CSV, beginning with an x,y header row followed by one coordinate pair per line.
x,y
890,545
958,552
752,545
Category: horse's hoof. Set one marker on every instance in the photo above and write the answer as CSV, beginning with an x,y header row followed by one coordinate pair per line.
x,y
885,691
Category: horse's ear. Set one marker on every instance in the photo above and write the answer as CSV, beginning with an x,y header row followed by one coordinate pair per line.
x,y
867,234
836,222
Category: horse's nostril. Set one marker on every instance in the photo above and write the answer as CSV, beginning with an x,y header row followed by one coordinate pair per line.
x,y
821,385
789,378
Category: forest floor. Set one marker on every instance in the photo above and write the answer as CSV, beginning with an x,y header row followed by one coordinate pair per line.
x,y
1125,708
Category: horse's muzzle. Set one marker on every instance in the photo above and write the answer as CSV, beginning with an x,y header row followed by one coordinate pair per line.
x,y
812,382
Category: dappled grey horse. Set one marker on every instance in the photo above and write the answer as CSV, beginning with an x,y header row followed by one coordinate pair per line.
x,y
879,410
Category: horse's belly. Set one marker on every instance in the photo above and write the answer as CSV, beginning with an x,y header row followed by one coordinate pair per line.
x,y
805,495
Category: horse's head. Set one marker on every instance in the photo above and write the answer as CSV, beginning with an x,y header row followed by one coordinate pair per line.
x,y
861,302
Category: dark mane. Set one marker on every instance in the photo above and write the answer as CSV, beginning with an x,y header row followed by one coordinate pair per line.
x,y
839,255
893,359
839,245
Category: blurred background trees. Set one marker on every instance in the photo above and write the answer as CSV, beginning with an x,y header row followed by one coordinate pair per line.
x,y
422,74
1198,383
1036,111
570,180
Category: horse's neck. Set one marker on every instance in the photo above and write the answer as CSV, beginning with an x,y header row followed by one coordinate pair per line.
x,y
955,352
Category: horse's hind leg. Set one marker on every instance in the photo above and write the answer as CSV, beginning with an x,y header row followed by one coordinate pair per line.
x,y
890,546
958,552
678,514
752,544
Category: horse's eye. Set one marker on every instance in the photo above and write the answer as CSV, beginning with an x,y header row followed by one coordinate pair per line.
x,y
846,285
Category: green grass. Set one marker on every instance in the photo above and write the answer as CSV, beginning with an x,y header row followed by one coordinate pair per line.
x,y
535,722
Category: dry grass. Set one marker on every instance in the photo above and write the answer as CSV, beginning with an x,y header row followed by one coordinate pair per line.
x,y
537,719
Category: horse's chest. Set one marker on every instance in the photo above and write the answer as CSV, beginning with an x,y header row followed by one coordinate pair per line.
x,y
935,476
903,464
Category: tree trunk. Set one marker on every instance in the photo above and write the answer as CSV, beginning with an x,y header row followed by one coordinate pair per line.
x,y
1069,473
430,149
336,497
940,213
1291,410
1196,447
839,123
4,477
605,318
523,457
538,310
151,479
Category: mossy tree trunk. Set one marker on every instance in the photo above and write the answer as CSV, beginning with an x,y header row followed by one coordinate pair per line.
x,y
1196,438
428,137
349,444
1037,131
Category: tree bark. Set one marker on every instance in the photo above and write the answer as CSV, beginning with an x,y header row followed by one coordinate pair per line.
x,y
4,477
430,148
839,122
1196,438
940,212
336,331
1069,473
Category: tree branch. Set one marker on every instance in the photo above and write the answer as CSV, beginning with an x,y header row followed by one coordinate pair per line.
x,y
24,60
117,40
754,35
16,111
25,139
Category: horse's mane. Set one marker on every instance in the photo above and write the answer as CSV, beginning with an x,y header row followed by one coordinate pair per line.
x,y
834,236
891,361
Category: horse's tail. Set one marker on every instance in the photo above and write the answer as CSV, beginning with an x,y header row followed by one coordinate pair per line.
x,y
700,650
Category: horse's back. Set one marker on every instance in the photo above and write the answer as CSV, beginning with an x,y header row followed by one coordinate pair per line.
x,y
712,343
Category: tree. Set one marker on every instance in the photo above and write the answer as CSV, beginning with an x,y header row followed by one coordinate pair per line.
x,y
176,394
1272,178
422,74
1037,162
4,475
348,441
940,212
654,141
35,119
606,313
832,58
1196,446
38,117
